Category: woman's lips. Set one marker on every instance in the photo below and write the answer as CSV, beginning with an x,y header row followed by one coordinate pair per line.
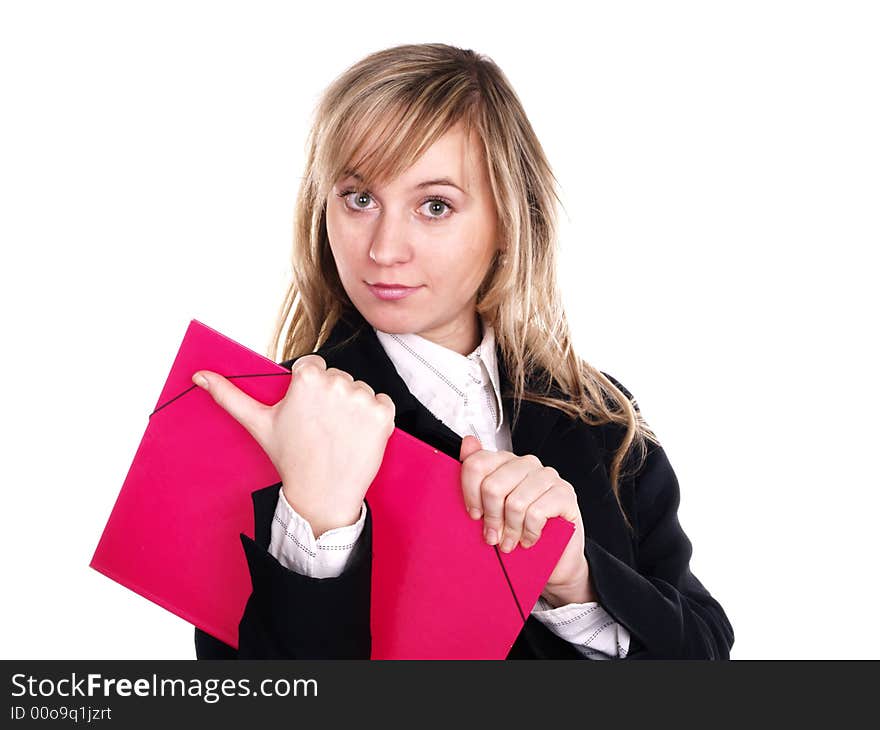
x,y
392,292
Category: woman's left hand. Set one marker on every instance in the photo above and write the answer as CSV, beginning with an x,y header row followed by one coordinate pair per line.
x,y
515,496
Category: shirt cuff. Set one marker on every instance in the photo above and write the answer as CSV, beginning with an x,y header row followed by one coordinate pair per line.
x,y
587,626
294,545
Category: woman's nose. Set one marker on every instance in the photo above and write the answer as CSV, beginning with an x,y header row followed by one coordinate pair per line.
x,y
390,244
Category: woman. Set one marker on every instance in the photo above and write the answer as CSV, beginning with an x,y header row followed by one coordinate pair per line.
x,y
424,274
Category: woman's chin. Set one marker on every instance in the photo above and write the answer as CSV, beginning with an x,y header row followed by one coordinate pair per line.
x,y
388,319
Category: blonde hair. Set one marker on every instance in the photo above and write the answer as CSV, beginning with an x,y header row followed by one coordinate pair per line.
x,y
407,97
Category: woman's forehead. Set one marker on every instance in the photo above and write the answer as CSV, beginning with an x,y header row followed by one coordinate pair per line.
x,y
453,159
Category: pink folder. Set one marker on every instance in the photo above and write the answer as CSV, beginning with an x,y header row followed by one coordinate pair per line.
x,y
438,591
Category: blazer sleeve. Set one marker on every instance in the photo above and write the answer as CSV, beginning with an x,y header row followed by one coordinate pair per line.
x,y
668,611
293,616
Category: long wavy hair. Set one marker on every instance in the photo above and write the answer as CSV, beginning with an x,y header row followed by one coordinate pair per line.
x,y
406,97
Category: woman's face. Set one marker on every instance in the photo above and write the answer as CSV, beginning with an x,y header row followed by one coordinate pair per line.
x,y
419,232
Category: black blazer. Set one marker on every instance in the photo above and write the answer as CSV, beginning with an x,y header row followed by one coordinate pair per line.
x,y
642,580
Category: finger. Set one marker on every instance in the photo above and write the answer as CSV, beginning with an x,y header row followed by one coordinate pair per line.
x,y
365,386
532,486
314,361
340,374
494,489
303,370
474,468
469,445
386,401
248,412
558,501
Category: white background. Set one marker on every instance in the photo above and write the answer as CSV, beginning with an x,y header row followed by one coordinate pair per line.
x,y
719,169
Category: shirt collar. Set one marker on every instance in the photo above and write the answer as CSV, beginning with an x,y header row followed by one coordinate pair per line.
x,y
414,355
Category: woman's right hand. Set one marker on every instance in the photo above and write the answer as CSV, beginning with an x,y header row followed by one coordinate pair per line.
x,y
326,437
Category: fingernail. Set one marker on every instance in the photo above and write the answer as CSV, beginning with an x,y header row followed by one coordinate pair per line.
x,y
200,380
475,513
491,536
507,545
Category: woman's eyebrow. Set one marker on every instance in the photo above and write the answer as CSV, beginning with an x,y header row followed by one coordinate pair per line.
x,y
440,181
427,183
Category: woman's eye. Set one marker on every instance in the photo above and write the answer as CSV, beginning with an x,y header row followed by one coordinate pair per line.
x,y
433,206
358,196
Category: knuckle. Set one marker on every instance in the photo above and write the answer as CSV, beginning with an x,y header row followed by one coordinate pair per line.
x,y
360,400
469,468
386,402
532,459
309,361
306,372
493,486
516,505
537,515
565,488
341,374
383,413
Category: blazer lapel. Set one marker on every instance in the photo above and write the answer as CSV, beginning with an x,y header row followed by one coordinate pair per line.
x,y
535,422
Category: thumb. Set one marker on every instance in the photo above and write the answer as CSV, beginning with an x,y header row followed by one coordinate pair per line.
x,y
469,445
248,412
